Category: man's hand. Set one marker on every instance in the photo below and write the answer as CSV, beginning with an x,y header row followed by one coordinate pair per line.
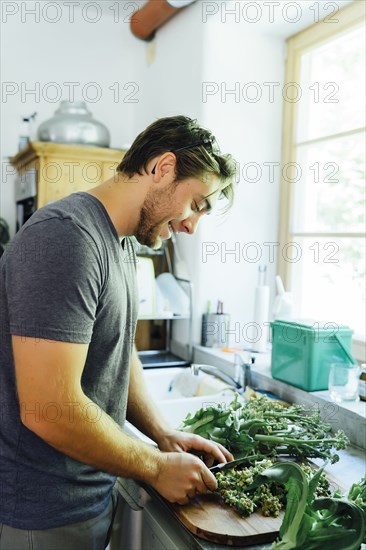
x,y
175,440
182,475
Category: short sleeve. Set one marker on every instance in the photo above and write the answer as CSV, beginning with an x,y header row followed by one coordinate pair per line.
x,y
53,279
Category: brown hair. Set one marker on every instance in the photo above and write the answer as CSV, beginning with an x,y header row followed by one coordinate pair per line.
x,y
195,148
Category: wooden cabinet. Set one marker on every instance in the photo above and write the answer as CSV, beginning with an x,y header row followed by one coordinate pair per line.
x,y
63,169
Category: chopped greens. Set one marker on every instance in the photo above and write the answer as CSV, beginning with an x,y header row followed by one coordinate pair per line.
x,y
262,428
236,488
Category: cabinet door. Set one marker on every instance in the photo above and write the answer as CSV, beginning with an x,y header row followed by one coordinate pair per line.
x,y
109,169
66,168
60,177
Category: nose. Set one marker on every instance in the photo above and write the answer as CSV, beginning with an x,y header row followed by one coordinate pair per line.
x,y
189,225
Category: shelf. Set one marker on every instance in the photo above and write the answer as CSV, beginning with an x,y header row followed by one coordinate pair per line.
x,y
165,358
162,358
162,317
149,252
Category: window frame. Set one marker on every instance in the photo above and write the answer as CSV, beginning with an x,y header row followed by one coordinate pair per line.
x,y
349,17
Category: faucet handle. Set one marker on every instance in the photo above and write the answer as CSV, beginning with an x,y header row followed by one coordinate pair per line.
x,y
195,369
238,360
243,369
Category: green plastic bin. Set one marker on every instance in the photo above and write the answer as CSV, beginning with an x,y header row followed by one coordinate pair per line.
x,y
303,350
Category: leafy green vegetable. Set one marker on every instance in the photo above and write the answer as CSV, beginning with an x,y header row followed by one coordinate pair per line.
x,y
262,428
310,523
297,487
357,495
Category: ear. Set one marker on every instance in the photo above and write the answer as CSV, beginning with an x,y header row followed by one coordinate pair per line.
x,y
165,168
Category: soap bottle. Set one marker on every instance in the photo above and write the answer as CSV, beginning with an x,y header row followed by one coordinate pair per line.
x,y
362,383
26,130
24,133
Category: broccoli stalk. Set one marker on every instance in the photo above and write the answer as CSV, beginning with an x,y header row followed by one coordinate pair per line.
x,y
265,429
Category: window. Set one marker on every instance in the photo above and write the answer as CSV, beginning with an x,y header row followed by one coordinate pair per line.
x,y
323,187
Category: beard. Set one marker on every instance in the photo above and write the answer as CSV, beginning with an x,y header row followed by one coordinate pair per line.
x,y
156,203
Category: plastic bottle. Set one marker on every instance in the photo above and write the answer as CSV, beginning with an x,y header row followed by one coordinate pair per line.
x,y
261,311
24,133
283,305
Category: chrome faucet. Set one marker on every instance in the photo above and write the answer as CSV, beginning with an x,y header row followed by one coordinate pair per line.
x,y
214,371
243,373
244,370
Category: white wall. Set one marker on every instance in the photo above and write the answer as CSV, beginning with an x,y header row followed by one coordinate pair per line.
x,y
225,54
171,83
251,131
37,53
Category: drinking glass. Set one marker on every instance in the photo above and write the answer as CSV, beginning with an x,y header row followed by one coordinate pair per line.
x,y
343,382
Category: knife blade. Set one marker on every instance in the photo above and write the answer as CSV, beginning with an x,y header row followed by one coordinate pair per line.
x,y
227,465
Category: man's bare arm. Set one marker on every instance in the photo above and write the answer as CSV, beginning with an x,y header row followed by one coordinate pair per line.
x,y
50,372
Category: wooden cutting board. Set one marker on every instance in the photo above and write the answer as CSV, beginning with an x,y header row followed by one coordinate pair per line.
x,y
207,517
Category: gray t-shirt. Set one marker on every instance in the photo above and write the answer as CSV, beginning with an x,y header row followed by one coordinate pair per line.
x,y
65,276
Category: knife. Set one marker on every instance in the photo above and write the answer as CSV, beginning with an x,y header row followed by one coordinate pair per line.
x,y
227,465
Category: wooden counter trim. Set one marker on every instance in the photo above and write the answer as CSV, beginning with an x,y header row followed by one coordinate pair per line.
x,y
37,149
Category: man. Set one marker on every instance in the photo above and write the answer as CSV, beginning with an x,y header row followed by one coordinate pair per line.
x,y
69,372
